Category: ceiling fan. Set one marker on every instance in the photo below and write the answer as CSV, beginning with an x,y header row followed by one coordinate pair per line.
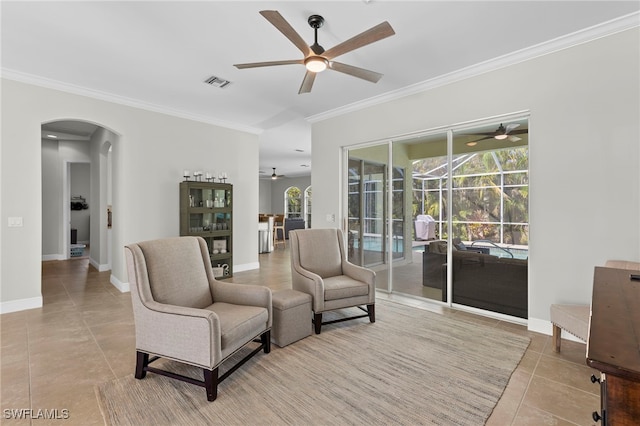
x,y
316,59
274,175
501,133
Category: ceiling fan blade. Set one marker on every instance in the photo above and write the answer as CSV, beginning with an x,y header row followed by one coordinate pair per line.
x,y
519,132
514,138
369,36
285,28
483,139
307,82
511,127
268,64
492,134
362,73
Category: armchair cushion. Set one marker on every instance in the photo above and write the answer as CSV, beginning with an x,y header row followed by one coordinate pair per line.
x,y
166,259
320,253
238,324
343,287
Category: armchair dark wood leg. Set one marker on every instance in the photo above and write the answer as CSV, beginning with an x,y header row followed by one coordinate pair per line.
x,y
371,309
142,361
265,339
317,322
211,383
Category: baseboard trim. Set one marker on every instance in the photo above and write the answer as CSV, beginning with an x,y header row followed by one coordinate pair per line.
x,y
20,305
47,257
99,267
123,287
246,267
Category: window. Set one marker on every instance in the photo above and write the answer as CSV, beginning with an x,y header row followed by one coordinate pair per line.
x,y
293,202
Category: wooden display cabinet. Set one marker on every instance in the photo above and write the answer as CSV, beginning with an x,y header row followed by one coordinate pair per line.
x,y
206,211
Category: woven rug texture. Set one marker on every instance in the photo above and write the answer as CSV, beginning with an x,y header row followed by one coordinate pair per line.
x,y
411,367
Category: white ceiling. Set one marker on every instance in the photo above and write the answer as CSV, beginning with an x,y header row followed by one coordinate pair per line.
x,y
156,55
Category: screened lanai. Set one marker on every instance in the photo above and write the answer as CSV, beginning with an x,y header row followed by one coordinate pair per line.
x,y
489,195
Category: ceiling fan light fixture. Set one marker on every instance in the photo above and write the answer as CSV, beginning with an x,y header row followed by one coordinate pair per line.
x,y
501,137
316,63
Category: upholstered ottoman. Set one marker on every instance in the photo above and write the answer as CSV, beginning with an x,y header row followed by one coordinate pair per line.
x,y
291,316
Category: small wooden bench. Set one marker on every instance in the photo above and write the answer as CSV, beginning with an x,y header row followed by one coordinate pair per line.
x,y
571,318
575,318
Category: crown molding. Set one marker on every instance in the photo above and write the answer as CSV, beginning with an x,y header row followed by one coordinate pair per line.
x,y
613,26
36,80
586,35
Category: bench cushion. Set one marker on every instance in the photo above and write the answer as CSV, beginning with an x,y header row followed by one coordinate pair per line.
x,y
572,318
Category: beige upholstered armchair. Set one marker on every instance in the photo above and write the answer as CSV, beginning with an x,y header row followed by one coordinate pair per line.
x,y
182,313
319,267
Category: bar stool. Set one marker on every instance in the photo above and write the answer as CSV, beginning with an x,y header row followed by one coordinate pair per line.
x,y
278,225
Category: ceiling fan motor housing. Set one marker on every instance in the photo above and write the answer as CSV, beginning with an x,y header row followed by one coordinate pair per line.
x,y
315,21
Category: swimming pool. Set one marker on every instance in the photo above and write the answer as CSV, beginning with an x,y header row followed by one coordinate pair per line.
x,y
518,253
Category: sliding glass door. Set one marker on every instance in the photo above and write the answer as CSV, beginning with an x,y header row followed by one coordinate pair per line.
x,y
444,215
367,210
489,218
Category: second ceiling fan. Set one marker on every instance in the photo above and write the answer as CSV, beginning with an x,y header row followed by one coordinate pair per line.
x,y
275,176
316,59
501,133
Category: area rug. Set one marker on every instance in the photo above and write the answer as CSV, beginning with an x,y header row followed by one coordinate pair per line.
x,y
410,367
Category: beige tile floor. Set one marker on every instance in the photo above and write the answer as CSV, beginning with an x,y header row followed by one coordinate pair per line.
x,y
52,357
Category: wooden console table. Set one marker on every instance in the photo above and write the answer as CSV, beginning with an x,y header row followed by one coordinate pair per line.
x,y
613,347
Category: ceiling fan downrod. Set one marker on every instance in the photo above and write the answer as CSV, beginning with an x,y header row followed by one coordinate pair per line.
x,y
315,22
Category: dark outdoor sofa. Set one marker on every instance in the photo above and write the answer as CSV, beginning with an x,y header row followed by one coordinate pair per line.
x,y
479,280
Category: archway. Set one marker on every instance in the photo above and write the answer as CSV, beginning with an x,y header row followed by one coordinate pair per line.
x,y
65,143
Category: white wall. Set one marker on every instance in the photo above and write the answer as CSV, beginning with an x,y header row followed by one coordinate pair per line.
x,y
148,158
51,200
584,105
264,202
101,184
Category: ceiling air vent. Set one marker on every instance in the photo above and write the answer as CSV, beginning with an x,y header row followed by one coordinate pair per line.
x,y
217,81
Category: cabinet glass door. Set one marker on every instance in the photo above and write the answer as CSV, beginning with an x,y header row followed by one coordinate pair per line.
x,y
206,212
